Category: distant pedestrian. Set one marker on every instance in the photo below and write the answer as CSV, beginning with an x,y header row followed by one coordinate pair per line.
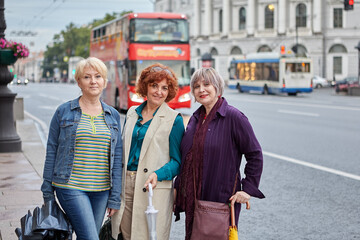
x,y
216,138
152,136
84,154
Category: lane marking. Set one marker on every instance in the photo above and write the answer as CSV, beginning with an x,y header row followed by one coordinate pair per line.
x,y
50,97
311,165
48,107
42,130
299,113
303,104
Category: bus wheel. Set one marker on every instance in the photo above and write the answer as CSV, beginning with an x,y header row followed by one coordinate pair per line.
x,y
117,100
266,90
239,88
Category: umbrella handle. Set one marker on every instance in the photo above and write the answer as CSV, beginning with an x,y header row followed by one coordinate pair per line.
x,y
150,189
233,212
248,205
232,215
150,194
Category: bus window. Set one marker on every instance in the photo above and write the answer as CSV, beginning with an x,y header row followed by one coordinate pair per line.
x,y
241,71
259,73
232,71
132,73
297,67
272,72
159,30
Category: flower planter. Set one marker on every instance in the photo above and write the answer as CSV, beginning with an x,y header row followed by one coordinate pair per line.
x,y
7,57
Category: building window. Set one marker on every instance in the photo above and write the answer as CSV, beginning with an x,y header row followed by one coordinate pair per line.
x,y
214,52
269,16
338,48
300,50
198,52
220,20
235,51
242,18
338,16
264,48
301,15
337,65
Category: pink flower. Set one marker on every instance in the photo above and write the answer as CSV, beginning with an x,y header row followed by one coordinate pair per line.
x,y
19,49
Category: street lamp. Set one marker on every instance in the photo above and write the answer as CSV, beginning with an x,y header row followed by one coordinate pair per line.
x,y
9,139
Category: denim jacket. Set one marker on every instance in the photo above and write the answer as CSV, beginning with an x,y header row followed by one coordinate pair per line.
x,y
61,146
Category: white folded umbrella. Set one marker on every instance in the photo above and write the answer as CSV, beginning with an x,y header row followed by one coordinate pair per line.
x,y
151,214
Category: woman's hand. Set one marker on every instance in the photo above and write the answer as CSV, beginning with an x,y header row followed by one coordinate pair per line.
x,y
151,179
111,212
241,197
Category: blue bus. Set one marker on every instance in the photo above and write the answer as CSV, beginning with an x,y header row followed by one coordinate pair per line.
x,y
270,73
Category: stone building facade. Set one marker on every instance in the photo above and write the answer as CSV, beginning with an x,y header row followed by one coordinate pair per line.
x,y
229,29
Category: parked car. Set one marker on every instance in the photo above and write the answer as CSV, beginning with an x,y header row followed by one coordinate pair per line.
x,y
319,82
20,81
344,85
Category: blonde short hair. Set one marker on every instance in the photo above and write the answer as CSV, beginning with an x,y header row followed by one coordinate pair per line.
x,y
91,62
209,75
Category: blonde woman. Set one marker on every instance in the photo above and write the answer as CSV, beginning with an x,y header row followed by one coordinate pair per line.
x,y
84,154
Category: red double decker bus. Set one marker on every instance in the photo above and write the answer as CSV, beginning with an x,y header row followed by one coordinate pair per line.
x,y
135,41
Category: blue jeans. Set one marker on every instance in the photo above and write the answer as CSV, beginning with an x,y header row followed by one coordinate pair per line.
x,y
85,210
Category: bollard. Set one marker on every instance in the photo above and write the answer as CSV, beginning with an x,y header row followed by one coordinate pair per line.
x,y
19,108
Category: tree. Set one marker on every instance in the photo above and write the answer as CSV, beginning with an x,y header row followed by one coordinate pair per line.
x,y
73,41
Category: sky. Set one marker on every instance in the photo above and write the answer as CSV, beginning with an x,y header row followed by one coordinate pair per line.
x,y
42,19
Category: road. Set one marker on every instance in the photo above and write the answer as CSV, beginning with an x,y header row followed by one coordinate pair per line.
x,y
311,176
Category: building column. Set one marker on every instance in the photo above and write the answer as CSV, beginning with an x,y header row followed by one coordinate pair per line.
x,y
226,17
282,17
196,19
250,13
208,18
317,16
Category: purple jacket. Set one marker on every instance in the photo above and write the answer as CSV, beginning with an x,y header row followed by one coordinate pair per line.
x,y
229,136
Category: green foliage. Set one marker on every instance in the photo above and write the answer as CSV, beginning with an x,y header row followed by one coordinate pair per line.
x,y
73,41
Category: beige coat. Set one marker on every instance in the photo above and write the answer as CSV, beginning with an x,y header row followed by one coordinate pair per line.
x,y
154,154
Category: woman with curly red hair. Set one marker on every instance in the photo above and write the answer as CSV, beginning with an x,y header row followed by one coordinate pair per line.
x,y
152,136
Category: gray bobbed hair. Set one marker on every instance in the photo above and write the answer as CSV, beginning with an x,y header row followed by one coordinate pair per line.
x,y
208,75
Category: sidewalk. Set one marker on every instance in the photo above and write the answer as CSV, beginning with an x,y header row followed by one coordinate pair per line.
x,y
20,182
20,179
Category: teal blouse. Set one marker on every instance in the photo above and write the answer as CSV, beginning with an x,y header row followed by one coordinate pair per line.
x,y
170,169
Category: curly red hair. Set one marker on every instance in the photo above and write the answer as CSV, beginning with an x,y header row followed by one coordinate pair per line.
x,y
156,73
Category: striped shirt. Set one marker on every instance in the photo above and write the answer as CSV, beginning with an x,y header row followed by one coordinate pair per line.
x,y
91,159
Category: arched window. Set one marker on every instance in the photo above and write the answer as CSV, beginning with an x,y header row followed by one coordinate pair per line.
x,y
269,16
301,15
337,58
264,48
338,48
235,51
214,52
300,50
220,20
242,18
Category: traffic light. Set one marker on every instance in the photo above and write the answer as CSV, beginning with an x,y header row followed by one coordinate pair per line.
x,y
348,4
282,49
73,71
